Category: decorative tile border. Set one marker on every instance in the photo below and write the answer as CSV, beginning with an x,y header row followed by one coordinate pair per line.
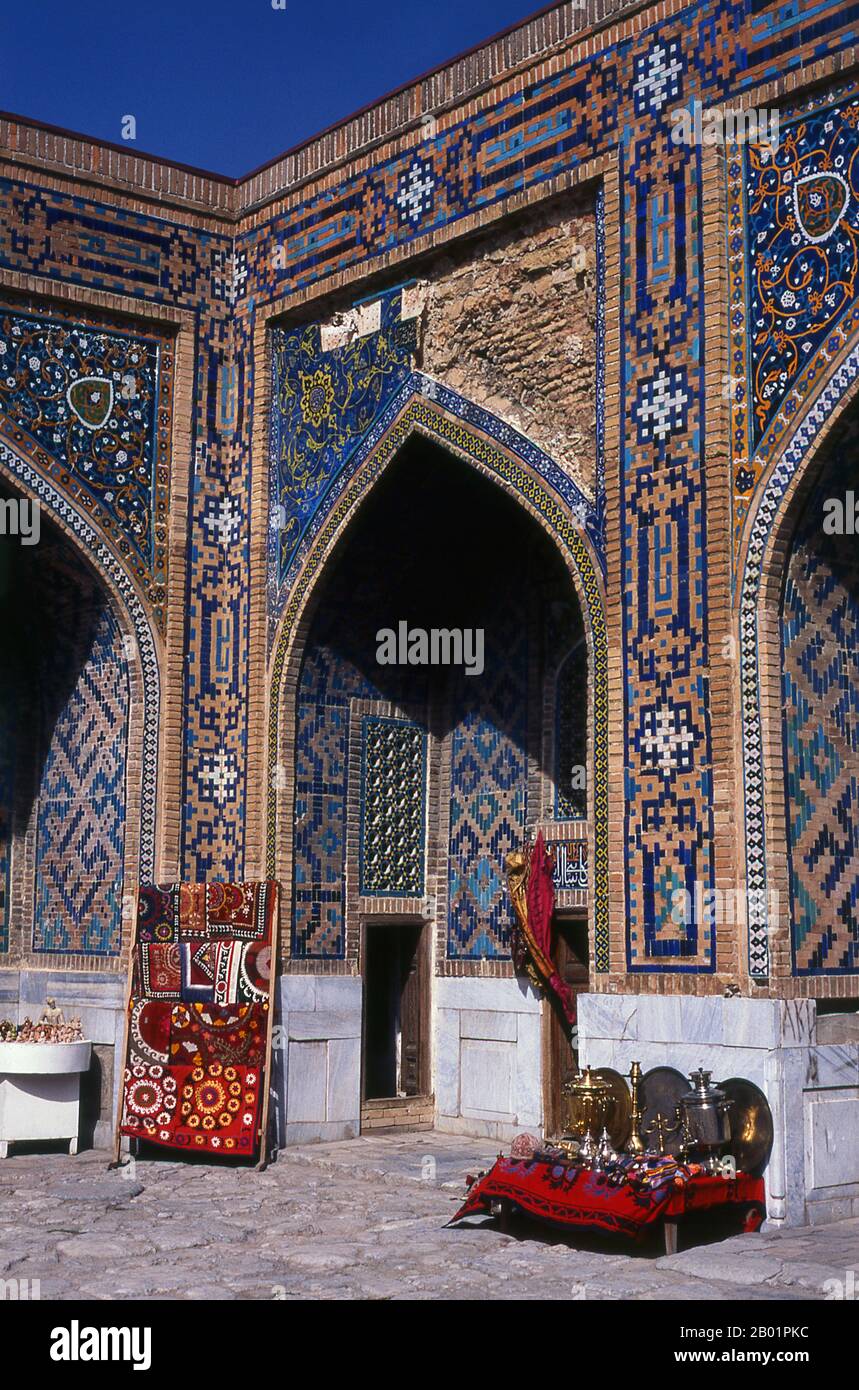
x,y
766,515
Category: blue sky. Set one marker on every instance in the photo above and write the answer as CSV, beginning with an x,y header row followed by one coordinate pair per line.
x,y
225,84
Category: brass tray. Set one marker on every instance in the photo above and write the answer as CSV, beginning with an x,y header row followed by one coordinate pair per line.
x,y
751,1125
621,1122
661,1089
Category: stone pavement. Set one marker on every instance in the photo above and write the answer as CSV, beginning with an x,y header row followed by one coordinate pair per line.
x,y
355,1220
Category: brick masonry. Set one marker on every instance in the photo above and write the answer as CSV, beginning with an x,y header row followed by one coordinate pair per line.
x,y
578,288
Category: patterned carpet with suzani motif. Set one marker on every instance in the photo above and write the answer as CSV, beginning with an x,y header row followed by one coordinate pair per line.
x,y
198,1016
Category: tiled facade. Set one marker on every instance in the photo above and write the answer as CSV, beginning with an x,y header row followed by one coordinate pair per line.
x,y
204,380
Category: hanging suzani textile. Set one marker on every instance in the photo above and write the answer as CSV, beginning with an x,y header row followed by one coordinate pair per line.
x,y
199,1011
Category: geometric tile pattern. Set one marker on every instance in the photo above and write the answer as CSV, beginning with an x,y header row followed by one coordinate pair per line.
x,y
9,706
488,794
393,802
329,681
764,519
93,404
571,736
820,694
106,563
320,830
80,833
540,130
668,758
469,432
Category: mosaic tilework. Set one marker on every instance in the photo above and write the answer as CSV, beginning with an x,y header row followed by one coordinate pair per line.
x,y
784,37
8,733
329,681
565,650
106,563
621,95
668,798
488,795
794,248
323,402
769,505
820,691
393,808
547,491
92,405
523,141
82,241
320,830
571,747
80,833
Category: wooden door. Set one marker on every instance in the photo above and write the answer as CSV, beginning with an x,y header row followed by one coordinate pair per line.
x,y
560,1055
412,1009
396,1010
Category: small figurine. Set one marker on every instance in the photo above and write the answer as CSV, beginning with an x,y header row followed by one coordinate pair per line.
x,y
51,1015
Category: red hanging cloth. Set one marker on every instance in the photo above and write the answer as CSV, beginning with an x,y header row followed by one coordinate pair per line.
x,y
541,907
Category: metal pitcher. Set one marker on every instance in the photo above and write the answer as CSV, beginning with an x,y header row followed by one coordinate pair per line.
x,y
705,1113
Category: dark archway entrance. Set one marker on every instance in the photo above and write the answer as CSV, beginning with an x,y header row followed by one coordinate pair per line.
x,y
820,695
415,776
64,709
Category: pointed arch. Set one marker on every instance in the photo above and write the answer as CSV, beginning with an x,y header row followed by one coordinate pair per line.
x,y
761,575
518,467
138,637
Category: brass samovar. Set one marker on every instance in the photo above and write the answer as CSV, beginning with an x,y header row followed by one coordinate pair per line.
x,y
589,1106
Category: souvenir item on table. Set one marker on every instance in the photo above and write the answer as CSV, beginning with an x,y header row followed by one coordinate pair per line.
x,y
51,1015
587,1151
590,1104
635,1143
618,1123
751,1125
658,1131
198,1036
661,1092
524,1146
627,1199
606,1155
705,1111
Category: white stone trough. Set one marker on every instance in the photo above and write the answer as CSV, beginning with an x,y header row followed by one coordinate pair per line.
x,y
40,1091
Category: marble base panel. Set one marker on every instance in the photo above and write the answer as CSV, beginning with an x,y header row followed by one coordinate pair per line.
x,y
487,1057
812,1088
316,1049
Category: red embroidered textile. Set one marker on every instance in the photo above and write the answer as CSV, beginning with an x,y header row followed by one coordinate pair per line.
x,y
198,1016
541,907
575,1197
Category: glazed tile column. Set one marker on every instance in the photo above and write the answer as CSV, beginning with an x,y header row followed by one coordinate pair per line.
x,y
669,825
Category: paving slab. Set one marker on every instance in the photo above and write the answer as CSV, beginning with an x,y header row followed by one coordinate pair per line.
x,y
362,1219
